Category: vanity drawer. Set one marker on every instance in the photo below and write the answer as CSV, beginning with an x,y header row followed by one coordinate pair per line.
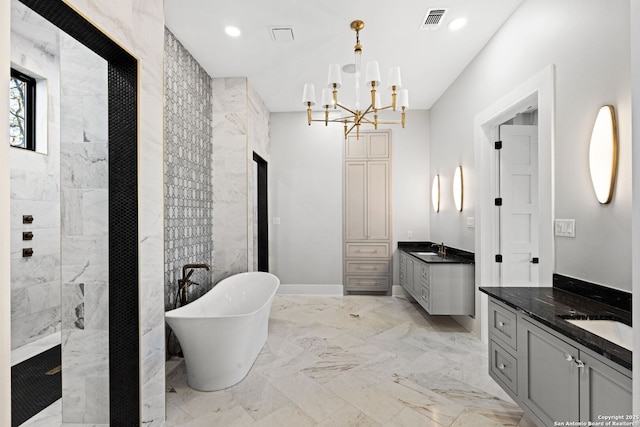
x,y
503,367
367,267
502,324
367,283
367,250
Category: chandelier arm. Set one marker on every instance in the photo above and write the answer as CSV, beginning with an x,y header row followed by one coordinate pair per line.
x,y
336,120
346,109
389,123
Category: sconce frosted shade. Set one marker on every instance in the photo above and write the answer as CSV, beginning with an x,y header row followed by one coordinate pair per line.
x,y
309,94
458,188
435,193
603,154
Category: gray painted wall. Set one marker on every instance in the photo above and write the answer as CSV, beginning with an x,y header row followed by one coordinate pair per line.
x,y
306,194
591,58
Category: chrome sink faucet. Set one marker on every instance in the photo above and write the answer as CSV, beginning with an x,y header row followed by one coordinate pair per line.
x,y
442,249
185,282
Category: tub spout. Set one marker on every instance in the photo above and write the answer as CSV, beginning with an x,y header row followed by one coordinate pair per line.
x,y
185,282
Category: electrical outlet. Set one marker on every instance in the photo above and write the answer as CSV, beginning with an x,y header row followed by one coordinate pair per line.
x,y
471,222
276,221
410,234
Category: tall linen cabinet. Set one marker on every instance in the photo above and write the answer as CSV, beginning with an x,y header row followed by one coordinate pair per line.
x,y
367,213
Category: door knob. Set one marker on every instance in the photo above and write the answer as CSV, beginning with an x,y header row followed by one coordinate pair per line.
x,y
535,260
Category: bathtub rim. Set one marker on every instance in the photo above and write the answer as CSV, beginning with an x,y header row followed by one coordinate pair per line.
x,y
174,313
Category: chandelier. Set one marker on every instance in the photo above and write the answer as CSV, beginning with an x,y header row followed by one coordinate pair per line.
x,y
353,118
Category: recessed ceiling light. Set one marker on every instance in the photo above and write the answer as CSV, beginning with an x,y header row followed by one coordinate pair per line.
x,y
232,31
457,23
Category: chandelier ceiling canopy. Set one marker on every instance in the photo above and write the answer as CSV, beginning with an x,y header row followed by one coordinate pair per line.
x,y
356,116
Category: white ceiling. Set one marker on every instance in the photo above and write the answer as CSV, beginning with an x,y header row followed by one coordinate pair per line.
x,y
430,60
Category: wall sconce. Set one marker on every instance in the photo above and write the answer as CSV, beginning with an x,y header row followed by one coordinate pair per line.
x,y
435,193
603,154
458,188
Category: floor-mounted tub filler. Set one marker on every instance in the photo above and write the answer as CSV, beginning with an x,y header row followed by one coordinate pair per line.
x,y
222,332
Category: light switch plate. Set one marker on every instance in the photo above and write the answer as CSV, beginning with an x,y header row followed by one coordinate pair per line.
x,y
276,221
565,227
471,222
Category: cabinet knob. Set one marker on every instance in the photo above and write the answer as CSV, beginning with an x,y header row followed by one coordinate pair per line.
x,y
501,366
501,324
568,357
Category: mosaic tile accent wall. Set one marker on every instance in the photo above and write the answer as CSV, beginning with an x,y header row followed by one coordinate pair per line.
x,y
188,164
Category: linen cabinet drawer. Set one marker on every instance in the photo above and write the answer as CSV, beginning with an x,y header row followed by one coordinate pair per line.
x,y
367,283
503,367
502,324
368,250
367,267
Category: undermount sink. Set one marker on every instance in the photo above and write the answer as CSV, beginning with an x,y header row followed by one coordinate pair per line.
x,y
611,330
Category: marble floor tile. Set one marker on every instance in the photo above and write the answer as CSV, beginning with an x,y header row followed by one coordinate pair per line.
x,y
354,361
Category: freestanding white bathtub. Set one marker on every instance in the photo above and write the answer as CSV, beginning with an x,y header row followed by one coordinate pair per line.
x,y
222,332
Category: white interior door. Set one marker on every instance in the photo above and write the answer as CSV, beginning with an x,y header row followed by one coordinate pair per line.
x,y
519,220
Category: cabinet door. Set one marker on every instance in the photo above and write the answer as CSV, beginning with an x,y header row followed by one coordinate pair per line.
x,y
378,200
403,269
418,274
603,390
378,146
410,275
548,374
355,201
356,148
425,290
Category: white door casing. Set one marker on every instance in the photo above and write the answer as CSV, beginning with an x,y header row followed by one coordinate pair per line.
x,y
539,90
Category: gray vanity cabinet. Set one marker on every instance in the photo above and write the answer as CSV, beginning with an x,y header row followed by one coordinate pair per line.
x,y
548,375
603,390
440,288
552,376
407,270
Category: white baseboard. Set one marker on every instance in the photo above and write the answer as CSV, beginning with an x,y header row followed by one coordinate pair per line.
x,y
396,290
310,290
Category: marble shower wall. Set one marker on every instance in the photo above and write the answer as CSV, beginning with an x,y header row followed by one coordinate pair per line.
x,y
240,127
188,161
35,189
85,221
138,26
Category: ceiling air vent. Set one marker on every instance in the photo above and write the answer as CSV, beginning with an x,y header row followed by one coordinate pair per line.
x,y
281,33
433,18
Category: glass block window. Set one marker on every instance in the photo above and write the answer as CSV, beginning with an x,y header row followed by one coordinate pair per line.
x,y
22,111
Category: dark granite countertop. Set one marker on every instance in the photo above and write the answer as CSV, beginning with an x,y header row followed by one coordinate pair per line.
x,y
454,256
548,305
